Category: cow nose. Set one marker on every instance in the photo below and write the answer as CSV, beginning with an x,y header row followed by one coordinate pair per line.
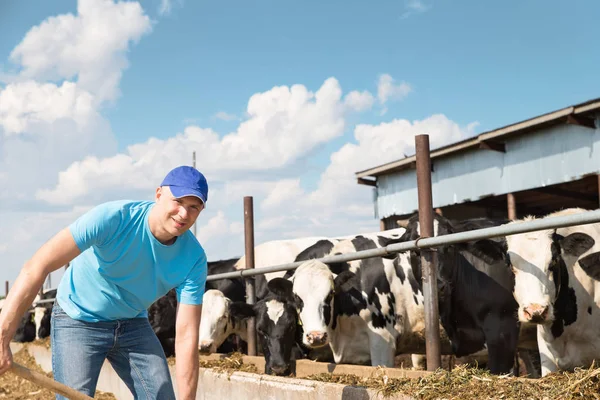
x,y
317,339
205,346
279,369
535,312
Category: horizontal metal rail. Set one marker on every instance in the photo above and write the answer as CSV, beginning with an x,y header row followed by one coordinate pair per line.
x,y
584,218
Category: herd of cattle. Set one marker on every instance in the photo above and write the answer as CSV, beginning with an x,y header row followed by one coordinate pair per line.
x,y
534,294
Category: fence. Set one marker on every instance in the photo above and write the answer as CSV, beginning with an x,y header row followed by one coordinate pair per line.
x,y
425,243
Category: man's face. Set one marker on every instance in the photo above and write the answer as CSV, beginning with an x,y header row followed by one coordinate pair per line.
x,y
177,215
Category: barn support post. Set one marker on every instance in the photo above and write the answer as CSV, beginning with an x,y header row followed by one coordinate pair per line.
x,y
512,206
250,290
428,256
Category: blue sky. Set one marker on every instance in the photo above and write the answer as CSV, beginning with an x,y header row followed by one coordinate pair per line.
x,y
452,69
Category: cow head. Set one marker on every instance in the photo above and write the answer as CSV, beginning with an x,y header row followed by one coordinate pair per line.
x,y
541,275
276,324
216,323
315,286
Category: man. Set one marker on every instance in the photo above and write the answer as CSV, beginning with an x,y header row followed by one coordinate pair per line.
x,y
124,256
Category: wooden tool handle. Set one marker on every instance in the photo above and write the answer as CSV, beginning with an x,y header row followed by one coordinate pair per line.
x,y
45,382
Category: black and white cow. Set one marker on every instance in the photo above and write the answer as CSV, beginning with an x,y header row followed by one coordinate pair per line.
x,y
391,300
276,324
557,287
43,313
476,306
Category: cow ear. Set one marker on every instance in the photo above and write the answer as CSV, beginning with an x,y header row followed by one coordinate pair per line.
x,y
281,287
576,244
489,251
344,280
241,310
591,265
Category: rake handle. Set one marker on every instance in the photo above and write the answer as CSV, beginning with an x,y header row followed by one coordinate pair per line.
x,y
45,382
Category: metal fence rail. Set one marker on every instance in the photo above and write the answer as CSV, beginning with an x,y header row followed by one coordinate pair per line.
x,y
584,218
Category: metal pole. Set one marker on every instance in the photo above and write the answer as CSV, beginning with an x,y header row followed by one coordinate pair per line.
x,y
428,256
584,218
6,288
250,293
512,206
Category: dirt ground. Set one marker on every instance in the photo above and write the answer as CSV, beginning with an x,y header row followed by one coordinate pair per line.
x,y
16,388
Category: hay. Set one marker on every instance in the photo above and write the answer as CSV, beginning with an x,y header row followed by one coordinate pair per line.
x,y
234,362
466,382
15,387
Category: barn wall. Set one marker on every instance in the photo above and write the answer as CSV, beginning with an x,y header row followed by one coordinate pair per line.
x,y
550,156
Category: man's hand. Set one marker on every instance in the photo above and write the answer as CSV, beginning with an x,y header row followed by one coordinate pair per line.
x,y
186,349
6,358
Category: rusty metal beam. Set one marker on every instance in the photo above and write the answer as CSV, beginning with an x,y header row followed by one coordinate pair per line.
x,y
250,289
512,206
428,256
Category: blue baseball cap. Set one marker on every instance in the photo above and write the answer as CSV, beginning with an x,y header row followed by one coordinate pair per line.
x,y
186,181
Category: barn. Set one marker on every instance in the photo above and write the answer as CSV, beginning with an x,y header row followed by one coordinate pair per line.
x,y
533,167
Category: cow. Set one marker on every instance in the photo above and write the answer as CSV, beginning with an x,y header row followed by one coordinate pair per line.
x,y
26,331
217,323
276,322
43,313
391,299
557,288
163,312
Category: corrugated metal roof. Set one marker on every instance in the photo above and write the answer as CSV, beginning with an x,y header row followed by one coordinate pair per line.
x,y
570,114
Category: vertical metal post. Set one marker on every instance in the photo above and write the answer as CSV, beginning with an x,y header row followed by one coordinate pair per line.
x,y
428,256
250,293
512,206
6,288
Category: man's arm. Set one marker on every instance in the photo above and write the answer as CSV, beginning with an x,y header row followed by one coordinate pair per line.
x,y
55,253
186,349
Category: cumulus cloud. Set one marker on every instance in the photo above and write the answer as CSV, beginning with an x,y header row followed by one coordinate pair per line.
x,y
387,89
223,116
64,71
376,145
359,101
284,124
90,46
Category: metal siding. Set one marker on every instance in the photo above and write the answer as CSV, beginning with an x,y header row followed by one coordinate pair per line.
x,y
550,156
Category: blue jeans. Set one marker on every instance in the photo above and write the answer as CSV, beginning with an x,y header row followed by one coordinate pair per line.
x,y
80,348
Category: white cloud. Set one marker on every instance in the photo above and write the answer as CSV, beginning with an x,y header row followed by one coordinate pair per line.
x,y
90,46
388,90
284,191
376,145
66,69
165,7
222,115
414,7
25,103
359,101
284,124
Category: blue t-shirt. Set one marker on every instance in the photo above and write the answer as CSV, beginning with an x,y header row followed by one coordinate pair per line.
x,y
123,268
